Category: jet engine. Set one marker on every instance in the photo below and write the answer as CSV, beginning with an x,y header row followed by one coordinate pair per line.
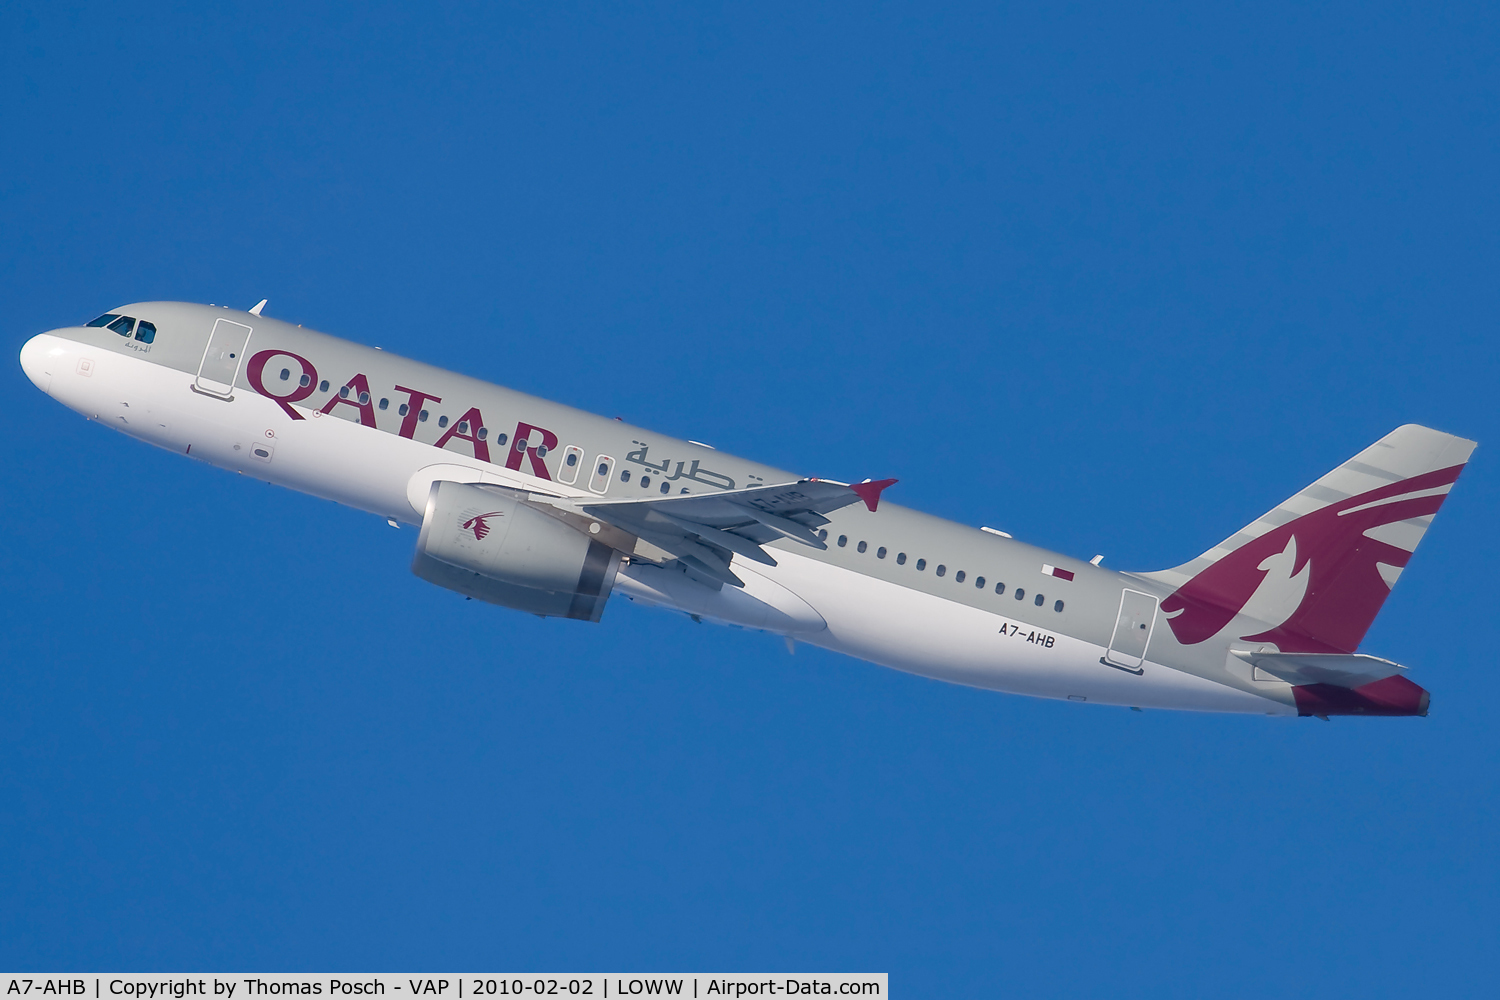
x,y
500,549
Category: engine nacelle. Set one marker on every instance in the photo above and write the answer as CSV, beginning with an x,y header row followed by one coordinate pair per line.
x,y
502,550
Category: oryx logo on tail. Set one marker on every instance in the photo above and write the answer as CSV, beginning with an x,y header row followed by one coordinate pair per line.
x,y
1317,580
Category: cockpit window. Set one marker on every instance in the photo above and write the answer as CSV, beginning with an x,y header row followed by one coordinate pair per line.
x,y
122,325
103,320
145,332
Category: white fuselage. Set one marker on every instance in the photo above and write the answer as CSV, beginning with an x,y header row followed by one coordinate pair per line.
x,y
808,599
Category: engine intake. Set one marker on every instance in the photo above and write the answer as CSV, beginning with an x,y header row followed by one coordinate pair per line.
x,y
500,549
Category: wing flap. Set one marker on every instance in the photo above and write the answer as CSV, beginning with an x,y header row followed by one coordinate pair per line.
x,y
719,536
706,529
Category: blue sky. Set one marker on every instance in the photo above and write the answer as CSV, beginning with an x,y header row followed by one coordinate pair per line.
x,y
1114,281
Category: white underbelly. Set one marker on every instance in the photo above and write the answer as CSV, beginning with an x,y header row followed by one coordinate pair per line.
x,y
921,634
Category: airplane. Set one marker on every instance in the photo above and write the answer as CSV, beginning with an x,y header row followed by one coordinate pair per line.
x,y
546,509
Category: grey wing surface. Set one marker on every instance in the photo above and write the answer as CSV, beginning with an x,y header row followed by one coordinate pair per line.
x,y
704,530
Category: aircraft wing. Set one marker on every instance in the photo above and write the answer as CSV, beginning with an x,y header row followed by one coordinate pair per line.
x,y
704,530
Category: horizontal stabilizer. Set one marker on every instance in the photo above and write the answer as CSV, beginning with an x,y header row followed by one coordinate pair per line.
x,y
1345,670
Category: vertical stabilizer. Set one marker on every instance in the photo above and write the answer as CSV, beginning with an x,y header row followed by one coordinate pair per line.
x,y
1316,570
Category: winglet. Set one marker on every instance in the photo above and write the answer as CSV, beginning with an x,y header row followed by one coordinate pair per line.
x,y
870,492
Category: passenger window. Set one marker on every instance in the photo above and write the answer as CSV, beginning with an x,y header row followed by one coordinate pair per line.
x,y
104,320
344,392
599,481
306,380
443,420
364,398
921,565
999,588
122,326
941,569
384,403
286,373
463,427
624,475
666,487
880,552
484,432
822,535
323,386
979,582
571,466
500,439
900,558
843,540
145,332
862,546
645,482
1020,593
403,409
422,416
1058,607
1040,600
959,576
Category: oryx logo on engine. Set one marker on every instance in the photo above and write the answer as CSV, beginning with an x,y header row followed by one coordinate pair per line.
x,y
479,525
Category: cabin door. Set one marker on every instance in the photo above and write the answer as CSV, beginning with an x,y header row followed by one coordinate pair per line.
x,y
1127,647
222,360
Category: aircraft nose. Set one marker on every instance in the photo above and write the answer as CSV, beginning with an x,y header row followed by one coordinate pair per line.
x,y
34,361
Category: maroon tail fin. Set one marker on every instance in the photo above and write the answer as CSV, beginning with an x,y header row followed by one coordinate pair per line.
x,y
1311,575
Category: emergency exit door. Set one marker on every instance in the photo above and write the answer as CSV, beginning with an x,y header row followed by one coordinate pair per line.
x,y
1127,647
223,357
